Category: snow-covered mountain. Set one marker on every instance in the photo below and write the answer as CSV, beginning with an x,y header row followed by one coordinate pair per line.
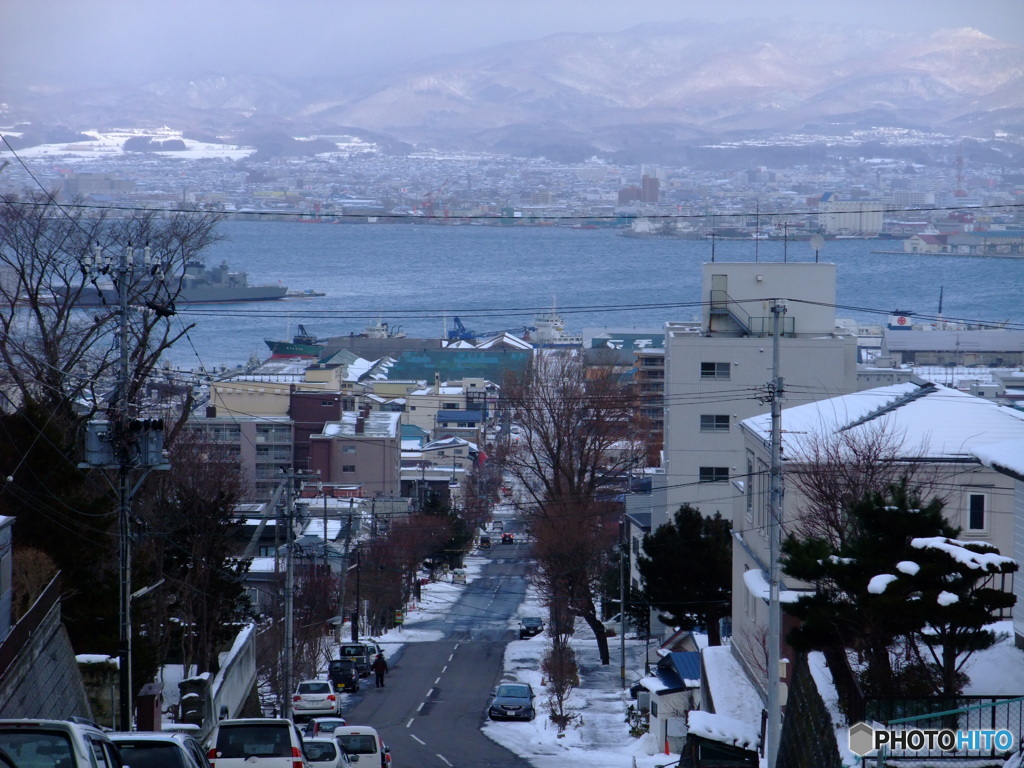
x,y
648,88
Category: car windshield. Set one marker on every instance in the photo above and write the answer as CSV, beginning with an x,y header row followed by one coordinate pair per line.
x,y
528,622
151,754
358,743
254,740
314,687
321,751
37,749
513,691
352,650
324,726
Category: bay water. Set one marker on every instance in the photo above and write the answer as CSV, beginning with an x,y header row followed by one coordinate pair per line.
x,y
420,276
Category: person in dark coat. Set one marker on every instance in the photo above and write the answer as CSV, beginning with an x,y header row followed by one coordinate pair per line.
x,y
380,668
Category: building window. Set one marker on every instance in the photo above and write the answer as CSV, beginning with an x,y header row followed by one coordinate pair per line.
x,y
715,422
348,449
450,407
750,489
458,451
327,403
348,468
976,512
714,474
714,370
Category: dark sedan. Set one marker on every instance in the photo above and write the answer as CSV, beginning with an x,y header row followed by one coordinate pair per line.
x,y
530,626
512,701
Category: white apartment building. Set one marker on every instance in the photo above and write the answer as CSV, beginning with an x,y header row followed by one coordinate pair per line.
x,y
716,375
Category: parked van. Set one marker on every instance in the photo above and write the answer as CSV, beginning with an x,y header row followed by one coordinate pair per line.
x,y
364,741
458,576
257,742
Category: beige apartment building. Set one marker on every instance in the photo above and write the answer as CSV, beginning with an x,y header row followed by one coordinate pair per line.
x,y
717,375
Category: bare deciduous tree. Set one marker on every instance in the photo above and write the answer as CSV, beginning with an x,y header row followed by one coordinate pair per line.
x,y
57,353
840,467
576,425
187,520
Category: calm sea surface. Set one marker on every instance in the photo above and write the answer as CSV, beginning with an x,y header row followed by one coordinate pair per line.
x,y
495,278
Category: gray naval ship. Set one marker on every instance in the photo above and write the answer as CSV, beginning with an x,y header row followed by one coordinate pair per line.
x,y
198,286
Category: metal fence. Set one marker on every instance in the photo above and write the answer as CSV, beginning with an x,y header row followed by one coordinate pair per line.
x,y
961,713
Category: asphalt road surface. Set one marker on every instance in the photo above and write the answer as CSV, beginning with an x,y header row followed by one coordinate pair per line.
x,y
435,696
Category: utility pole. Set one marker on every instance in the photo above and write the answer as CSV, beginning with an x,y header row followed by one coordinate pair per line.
x,y
123,443
622,602
775,702
124,502
289,605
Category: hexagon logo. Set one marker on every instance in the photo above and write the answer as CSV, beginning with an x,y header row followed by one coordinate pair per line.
x,y
862,739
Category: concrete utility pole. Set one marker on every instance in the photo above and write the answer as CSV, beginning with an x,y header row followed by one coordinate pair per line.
x,y
123,443
124,499
774,728
623,550
289,603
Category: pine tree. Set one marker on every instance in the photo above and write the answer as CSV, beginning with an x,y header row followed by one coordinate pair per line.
x,y
686,571
899,576
955,586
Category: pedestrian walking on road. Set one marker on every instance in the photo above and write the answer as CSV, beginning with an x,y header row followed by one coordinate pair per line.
x,y
380,668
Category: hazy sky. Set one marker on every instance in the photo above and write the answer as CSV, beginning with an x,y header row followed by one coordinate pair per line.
x,y
113,40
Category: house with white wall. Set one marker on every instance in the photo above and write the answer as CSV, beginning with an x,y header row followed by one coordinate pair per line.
x,y
940,429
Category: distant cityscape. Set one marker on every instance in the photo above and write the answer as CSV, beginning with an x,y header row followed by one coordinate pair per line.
x,y
914,187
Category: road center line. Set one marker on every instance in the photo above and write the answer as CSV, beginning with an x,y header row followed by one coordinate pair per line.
x,y
409,724
444,669
437,681
443,758
421,741
451,657
430,693
419,707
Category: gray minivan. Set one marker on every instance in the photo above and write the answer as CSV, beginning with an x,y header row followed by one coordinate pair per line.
x,y
257,742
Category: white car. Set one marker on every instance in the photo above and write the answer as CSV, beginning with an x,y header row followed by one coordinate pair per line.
x,y
57,742
315,698
325,752
364,742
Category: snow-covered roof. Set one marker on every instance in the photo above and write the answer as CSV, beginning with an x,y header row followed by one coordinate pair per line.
x,y
724,730
732,693
505,339
935,422
375,424
758,586
1006,456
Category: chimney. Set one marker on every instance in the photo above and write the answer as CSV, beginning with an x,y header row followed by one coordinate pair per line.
x,y
437,379
360,424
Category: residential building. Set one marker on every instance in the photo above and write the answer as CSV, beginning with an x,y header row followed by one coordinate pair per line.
x,y
673,690
940,429
716,375
261,446
363,448
1007,458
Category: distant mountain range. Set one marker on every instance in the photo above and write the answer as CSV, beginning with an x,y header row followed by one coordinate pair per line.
x,y
652,92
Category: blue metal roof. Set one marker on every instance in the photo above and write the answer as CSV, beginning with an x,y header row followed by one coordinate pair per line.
x,y
679,670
